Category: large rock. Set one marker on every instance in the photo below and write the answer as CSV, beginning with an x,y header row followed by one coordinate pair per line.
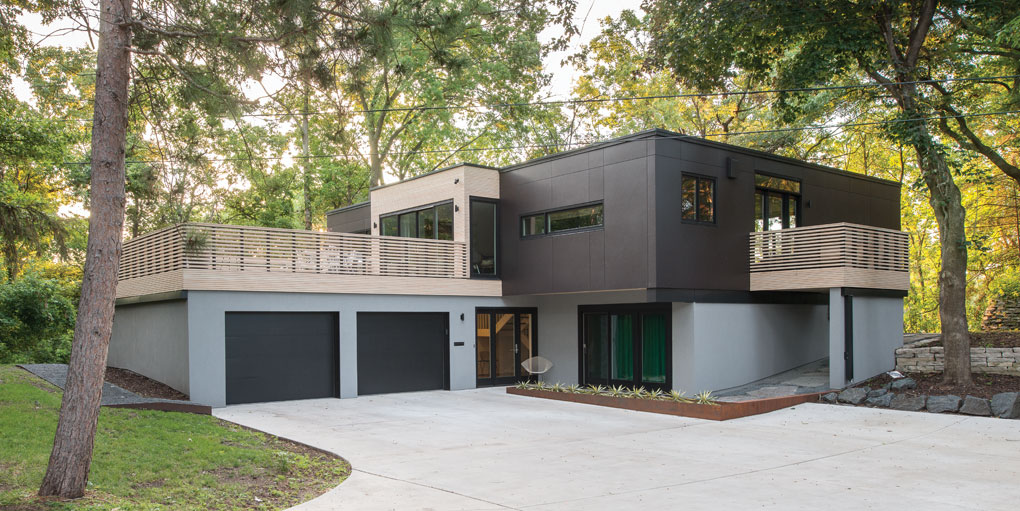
x,y
907,403
829,398
903,384
854,396
976,406
942,404
1006,405
882,400
878,392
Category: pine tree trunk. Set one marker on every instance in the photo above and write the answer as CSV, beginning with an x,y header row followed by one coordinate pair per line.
x,y
306,170
68,470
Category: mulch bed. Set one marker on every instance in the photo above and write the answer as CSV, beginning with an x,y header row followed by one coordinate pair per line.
x,y
1010,339
984,385
145,387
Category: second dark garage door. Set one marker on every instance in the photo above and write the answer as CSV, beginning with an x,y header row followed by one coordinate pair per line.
x,y
402,352
277,356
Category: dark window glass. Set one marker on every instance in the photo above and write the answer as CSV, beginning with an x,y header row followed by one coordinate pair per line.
x,y
689,198
444,221
408,223
791,215
533,225
389,226
653,348
483,238
706,204
697,199
623,346
577,218
776,183
775,205
759,211
427,223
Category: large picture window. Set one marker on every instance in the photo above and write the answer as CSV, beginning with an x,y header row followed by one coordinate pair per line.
x,y
562,220
432,222
484,260
776,203
697,199
626,345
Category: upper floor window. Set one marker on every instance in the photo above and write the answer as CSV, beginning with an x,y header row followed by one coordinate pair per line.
x,y
431,222
562,220
776,203
697,199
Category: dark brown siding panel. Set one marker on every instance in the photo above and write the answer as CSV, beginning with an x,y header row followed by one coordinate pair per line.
x,y
626,224
570,268
570,188
597,260
353,219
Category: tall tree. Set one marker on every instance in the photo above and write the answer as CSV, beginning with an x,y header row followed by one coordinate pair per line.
x,y
68,470
894,44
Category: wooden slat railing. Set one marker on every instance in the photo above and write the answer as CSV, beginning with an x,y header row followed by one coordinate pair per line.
x,y
231,248
831,255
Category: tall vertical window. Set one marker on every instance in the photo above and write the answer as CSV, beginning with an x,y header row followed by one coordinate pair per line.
x,y
697,199
776,203
432,222
483,238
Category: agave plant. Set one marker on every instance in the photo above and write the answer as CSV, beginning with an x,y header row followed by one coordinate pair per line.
x,y
557,387
540,385
618,391
678,396
655,394
574,389
705,397
521,385
639,392
595,389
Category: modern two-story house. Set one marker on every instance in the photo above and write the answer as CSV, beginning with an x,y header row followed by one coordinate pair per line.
x,y
653,259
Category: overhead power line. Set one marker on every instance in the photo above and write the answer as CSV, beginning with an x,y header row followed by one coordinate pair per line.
x,y
572,144
610,99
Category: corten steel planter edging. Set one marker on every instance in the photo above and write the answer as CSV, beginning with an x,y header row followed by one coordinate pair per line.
x,y
716,412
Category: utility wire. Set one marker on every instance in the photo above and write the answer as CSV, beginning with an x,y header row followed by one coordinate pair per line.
x,y
591,143
611,99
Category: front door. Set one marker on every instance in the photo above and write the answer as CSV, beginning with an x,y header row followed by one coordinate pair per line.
x,y
504,339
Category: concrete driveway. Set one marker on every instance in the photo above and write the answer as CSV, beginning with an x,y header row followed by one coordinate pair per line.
x,y
484,449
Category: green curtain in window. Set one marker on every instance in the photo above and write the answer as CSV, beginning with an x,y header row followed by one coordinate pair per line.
x,y
623,347
653,348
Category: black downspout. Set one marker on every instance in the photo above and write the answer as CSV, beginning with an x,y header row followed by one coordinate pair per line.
x,y
848,337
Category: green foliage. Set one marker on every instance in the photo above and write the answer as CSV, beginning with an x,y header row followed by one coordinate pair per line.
x,y
37,317
214,465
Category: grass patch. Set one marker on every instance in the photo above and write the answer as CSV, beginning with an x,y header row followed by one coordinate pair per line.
x,y
152,460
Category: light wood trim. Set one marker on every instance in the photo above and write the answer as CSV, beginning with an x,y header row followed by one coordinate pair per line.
x,y
831,255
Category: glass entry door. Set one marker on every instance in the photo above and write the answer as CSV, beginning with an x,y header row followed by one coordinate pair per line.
x,y
626,346
504,338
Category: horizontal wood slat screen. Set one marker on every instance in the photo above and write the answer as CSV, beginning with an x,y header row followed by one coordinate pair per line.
x,y
831,255
231,248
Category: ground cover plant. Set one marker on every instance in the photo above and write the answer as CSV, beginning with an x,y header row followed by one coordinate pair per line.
x,y
151,460
678,396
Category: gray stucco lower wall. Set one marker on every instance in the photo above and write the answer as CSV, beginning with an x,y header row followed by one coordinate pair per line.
x,y
733,344
206,331
151,339
877,332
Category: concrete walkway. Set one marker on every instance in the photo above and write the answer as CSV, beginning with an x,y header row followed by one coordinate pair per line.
x,y
484,449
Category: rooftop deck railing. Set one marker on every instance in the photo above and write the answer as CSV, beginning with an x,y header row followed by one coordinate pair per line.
x,y
831,255
232,248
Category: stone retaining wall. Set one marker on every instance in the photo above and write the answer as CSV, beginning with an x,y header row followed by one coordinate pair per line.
x,y
1002,314
982,360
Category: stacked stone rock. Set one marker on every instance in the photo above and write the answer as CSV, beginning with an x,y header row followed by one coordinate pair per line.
x,y
931,359
1002,314
1005,405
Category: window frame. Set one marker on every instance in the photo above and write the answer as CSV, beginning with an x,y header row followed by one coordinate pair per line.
x,y
548,223
497,239
698,178
786,197
416,211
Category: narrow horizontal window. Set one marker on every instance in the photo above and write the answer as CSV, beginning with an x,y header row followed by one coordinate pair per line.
x,y
697,199
776,183
583,217
432,222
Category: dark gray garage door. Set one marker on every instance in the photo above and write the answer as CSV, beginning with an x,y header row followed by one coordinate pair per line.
x,y
277,356
402,352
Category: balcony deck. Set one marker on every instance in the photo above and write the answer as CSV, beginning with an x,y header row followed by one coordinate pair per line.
x,y
827,256
215,257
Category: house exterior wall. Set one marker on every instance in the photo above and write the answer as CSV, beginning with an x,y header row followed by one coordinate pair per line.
x,y
877,333
206,331
356,218
458,183
151,339
721,345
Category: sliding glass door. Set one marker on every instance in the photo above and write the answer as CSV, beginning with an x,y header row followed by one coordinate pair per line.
x,y
626,345
504,338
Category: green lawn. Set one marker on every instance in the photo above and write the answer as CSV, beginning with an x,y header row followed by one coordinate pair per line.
x,y
154,460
